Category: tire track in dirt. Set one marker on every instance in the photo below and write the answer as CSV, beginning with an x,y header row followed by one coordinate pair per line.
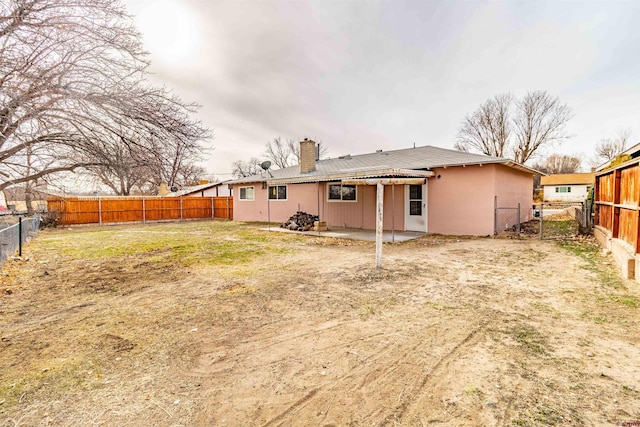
x,y
243,356
291,408
376,371
469,341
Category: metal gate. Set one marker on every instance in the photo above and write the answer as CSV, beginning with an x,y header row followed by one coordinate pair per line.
x,y
558,220
506,221
550,220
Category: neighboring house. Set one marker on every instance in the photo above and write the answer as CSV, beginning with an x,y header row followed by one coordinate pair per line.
x,y
426,189
568,187
205,189
16,198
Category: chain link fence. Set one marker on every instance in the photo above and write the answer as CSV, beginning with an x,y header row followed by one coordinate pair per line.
x,y
564,220
550,220
507,221
12,237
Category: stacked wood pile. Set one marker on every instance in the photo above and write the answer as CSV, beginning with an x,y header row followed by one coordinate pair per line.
x,y
300,221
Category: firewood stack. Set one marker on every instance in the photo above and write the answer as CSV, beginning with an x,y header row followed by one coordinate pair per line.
x,y
300,221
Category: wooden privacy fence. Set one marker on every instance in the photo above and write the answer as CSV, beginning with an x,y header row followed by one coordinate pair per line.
x,y
109,210
617,199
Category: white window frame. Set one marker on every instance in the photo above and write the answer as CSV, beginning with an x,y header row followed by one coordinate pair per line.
x,y
253,194
329,184
567,187
286,187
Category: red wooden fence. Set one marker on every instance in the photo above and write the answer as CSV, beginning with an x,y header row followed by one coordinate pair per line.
x,y
617,199
109,210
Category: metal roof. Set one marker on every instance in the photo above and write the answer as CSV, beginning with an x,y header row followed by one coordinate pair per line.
x,y
194,189
381,163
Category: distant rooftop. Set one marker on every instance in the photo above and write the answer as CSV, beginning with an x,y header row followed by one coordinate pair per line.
x,y
569,179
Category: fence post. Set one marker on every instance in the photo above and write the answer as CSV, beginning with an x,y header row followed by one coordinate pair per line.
x,y
228,211
541,217
213,208
100,210
144,212
495,215
20,237
180,208
518,228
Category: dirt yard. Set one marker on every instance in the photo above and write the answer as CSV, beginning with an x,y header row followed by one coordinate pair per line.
x,y
221,324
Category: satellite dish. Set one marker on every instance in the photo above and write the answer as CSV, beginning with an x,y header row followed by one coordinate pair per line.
x,y
265,165
174,189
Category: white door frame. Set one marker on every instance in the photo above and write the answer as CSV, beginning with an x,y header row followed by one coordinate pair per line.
x,y
414,222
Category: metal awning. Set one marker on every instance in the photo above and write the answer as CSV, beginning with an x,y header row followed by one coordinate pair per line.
x,y
385,181
387,173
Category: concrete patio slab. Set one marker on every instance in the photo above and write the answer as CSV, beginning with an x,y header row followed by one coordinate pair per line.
x,y
356,234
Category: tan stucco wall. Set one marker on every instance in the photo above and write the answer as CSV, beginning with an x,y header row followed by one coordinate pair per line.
x,y
513,187
461,201
362,213
358,214
280,210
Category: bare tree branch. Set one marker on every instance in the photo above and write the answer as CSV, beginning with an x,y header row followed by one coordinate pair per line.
x,y
518,130
488,129
608,149
539,121
558,164
241,169
73,93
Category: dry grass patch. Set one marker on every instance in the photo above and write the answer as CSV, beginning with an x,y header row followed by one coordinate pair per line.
x,y
212,323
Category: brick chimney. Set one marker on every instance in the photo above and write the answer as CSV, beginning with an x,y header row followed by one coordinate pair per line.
x,y
307,156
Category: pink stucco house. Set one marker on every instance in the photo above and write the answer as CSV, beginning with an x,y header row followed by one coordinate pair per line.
x,y
426,189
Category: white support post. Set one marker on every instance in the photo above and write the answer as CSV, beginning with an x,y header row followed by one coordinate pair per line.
x,y
379,228
100,210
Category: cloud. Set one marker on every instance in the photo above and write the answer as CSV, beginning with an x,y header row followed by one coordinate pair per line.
x,y
366,75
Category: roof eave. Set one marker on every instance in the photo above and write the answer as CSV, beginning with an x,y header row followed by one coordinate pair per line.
x,y
523,168
372,173
505,162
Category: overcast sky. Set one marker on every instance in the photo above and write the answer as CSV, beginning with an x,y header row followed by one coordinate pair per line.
x,y
365,75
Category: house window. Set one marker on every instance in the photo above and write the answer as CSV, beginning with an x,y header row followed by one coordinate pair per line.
x,y
343,193
563,189
415,200
278,192
246,193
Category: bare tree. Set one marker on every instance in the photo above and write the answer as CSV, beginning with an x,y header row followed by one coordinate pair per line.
x,y
241,169
287,154
120,169
487,130
174,163
72,79
608,149
558,164
540,120
127,168
518,130
279,153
